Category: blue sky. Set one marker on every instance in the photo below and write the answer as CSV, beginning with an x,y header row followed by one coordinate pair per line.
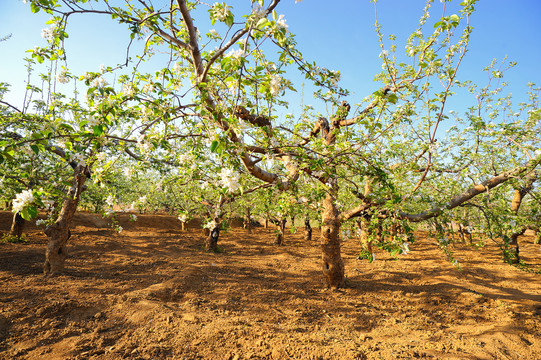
x,y
339,36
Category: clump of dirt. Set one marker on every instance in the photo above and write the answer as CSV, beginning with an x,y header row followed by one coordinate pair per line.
x,y
152,292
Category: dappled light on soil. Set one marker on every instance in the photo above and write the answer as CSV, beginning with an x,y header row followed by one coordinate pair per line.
x,y
152,292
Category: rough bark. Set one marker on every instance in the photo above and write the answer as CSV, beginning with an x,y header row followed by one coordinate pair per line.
x,y
58,233
512,251
211,243
17,226
307,229
279,240
332,264
366,245
248,221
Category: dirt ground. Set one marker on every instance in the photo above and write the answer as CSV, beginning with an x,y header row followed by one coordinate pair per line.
x,y
151,292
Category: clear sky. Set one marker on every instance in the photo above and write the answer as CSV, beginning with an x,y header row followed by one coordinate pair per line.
x,y
338,35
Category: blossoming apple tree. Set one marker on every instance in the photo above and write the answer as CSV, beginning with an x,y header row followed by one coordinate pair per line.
x,y
382,159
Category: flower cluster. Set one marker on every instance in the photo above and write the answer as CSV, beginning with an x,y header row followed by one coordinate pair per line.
x,y
281,23
237,54
404,248
275,84
25,198
230,179
258,12
62,77
210,225
48,33
110,200
48,204
214,33
98,82
79,159
220,11
142,145
128,89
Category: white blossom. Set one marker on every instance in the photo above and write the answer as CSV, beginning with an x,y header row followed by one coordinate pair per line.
x,y
25,198
98,82
182,218
177,67
110,200
48,33
128,172
62,77
210,225
128,89
149,87
40,222
258,12
281,23
275,84
48,204
404,248
101,156
230,179
79,159
143,145
220,11
237,54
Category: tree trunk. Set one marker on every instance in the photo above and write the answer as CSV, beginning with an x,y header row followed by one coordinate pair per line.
x,y
279,240
366,244
307,229
332,264
211,243
248,221
183,226
59,232
511,252
17,226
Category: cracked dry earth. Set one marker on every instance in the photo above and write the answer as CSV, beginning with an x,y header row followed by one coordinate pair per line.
x,y
151,292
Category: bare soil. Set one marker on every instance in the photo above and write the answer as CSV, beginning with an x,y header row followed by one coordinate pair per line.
x,y
151,292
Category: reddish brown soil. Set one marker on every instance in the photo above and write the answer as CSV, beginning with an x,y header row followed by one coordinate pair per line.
x,y
151,292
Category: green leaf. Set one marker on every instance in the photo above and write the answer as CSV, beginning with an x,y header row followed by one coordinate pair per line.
x,y
98,130
34,7
214,145
35,148
29,213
